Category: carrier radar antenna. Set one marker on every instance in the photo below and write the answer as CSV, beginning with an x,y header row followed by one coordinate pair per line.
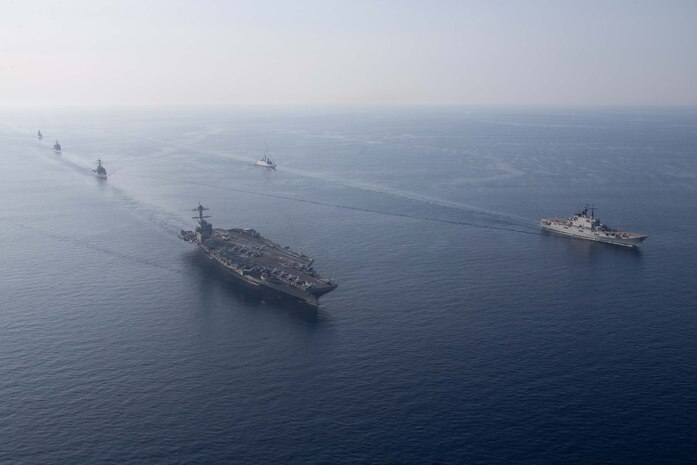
x,y
200,209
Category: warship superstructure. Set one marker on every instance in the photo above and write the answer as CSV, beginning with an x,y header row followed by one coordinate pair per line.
x,y
585,225
99,171
39,135
57,147
258,262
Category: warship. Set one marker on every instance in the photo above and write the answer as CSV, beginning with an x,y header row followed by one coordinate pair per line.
x,y
585,225
258,262
266,161
57,147
39,135
99,171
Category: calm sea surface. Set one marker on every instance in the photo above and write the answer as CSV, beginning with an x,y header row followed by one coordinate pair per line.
x,y
458,333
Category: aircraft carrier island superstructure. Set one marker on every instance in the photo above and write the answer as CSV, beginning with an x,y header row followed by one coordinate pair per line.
x,y
585,225
259,262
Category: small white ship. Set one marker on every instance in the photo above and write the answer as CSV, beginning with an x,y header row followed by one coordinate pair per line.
x,y
586,226
57,147
266,161
39,135
100,172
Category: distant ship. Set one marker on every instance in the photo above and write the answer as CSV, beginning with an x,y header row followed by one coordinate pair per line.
x,y
266,161
100,172
39,135
258,262
57,147
586,226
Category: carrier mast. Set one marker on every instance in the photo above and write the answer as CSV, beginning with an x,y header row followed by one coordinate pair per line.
x,y
203,229
200,209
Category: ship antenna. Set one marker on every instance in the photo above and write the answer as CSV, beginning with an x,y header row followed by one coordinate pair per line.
x,y
200,209
593,211
266,150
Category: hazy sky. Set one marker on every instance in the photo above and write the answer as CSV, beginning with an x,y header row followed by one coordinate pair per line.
x,y
552,52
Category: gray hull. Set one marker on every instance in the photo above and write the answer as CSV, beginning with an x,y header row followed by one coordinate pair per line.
x,y
261,284
609,237
258,262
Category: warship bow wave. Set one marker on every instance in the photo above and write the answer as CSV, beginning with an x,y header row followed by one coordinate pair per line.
x,y
586,226
259,262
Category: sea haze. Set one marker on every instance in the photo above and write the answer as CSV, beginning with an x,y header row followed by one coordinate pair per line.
x,y
458,334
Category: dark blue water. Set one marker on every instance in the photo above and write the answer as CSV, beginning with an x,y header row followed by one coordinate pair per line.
x,y
458,333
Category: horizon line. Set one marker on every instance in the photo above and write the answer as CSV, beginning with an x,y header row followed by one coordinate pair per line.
x,y
354,105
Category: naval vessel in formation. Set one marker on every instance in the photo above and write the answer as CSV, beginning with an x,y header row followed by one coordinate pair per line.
x,y
266,161
57,147
99,171
585,225
259,262
39,135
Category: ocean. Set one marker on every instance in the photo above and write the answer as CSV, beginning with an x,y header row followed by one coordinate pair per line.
x,y
459,332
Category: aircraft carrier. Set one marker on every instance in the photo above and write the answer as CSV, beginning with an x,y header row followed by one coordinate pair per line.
x,y
258,262
585,225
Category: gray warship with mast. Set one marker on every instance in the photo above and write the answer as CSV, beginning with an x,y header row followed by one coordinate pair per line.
x,y
99,171
584,225
258,262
